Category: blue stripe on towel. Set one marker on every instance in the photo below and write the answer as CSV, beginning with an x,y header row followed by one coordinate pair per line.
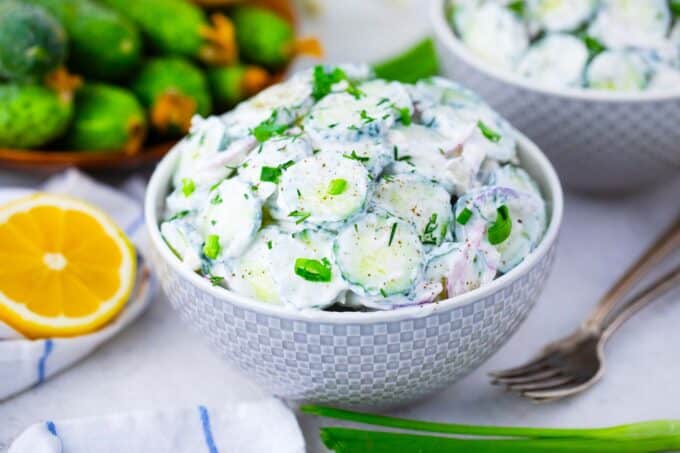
x,y
49,345
207,432
51,427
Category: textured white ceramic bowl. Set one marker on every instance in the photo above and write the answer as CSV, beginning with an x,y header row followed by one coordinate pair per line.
x,y
373,359
599,141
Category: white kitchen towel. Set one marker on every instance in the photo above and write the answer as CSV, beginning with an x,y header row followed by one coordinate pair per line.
x,y
26,363
250,427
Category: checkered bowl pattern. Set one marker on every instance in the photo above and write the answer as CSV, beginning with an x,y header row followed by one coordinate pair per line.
x,y
599,142
377,359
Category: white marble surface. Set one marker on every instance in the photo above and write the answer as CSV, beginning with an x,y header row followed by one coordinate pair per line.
x,y
158,363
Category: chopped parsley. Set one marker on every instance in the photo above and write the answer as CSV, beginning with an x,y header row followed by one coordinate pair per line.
x,y
501,228
355,156
430,228
489,133
399,158
675,7
269,245
179,215
366,117
383,292
337,186
313,270
323,81
300,216
464,216
354,91
268,128
215,280
518,7
188,186
392,232
595,47
212,247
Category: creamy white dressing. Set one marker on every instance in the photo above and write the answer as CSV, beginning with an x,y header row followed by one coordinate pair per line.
x,y
613,45
316,194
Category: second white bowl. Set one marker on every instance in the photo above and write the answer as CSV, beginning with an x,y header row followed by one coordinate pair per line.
x,y
598,141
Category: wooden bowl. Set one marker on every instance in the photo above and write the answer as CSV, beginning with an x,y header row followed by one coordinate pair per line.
x,y
52,161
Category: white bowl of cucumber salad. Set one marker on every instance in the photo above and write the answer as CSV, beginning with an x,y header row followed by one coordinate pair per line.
x,y
352,240
596,83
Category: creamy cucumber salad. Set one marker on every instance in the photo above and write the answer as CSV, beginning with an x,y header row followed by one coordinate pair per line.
x,y
615,45
337,190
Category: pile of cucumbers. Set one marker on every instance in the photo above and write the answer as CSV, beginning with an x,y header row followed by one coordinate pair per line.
x,y
110,75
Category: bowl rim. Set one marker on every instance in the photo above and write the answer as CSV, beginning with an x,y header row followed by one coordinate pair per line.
x,y
157,188
447,36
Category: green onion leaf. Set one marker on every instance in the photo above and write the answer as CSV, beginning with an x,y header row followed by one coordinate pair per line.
x,y
179,215
489,133
212,247
399,158
188,186
300,216
337,186
428,235
355,156
394,230
501,228
464,216
313,270
383,292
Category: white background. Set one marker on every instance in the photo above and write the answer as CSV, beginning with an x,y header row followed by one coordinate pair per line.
x,y
159,363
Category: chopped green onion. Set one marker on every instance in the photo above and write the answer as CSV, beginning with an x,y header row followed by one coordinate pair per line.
x,y
313,270
188,186
501,228
216,280
405,116
269,245
394,230
217,199
323,81
355,156
464,216
518,7
212,247
365,116
301,216
430,228
337,186
383,292
399,158
179,215
268,128
489,133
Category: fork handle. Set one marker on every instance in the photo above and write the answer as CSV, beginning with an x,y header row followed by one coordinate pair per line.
x,y
665,244
641,300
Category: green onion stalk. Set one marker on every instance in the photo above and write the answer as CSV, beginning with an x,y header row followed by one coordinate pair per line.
x,y
644,437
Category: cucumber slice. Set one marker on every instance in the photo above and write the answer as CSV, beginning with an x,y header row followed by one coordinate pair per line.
x,y
515,178
234,232
367,114
209,154
621,24
491,31
556,60
380,255
619,70
456,268
184,241
422,202
438,90
267,163
252,274
560,15
294,285
526,212
323,188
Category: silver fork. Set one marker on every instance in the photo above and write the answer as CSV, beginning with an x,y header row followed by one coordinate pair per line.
x,y
574,363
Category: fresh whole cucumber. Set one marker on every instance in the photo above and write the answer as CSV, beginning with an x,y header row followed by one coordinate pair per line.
x,y
32,115
106,118
179,27
173,90
263,37
103,44
231,84
32,42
